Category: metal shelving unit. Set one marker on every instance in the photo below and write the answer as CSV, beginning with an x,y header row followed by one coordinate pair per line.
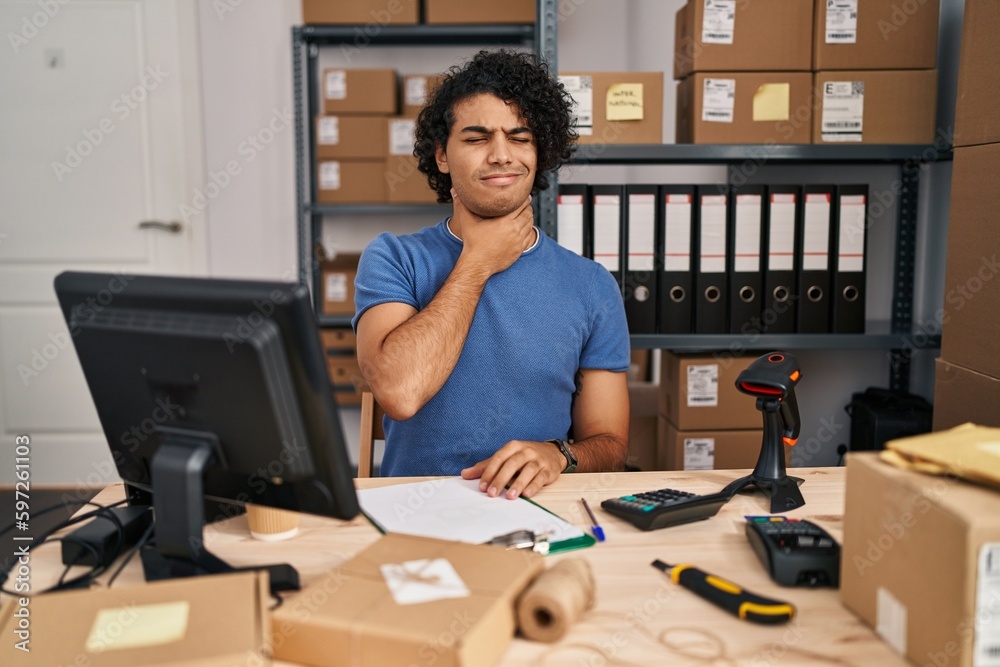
x,y
306,44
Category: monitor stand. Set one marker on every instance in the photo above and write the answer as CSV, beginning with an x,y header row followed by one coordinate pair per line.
x,y
769,474
178,470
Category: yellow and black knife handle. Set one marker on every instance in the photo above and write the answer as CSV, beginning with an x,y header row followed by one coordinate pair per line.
x,y
732,598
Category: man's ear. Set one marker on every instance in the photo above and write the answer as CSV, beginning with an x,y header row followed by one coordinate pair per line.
x,y
442,159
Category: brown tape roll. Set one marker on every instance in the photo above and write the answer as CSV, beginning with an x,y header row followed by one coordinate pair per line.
x,y
555,600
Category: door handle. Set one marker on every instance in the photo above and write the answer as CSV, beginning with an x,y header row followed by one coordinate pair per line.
x,y
172,226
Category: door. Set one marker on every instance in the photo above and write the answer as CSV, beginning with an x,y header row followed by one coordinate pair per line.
x,y
101,149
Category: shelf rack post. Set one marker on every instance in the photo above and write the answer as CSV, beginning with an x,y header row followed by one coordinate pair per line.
x,y
902,293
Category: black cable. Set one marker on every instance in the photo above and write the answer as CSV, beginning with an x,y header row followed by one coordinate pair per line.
x,y
102,511
132,552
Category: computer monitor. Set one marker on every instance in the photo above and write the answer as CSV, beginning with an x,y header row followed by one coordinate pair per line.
x,y
209,389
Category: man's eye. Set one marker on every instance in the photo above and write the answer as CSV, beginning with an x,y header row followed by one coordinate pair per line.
x,y
475,140
521,140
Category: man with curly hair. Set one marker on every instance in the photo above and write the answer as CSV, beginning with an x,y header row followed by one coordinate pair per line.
x,y
488,344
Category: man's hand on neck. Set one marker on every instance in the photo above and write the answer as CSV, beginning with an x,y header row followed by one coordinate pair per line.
x,y
493,244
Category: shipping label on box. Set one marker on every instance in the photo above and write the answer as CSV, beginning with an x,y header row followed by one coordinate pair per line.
x,y
699,453
581,89
718,22
401,139
841,21
843,110
718,99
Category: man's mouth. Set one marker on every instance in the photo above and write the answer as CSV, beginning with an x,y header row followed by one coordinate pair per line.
x,y
501,179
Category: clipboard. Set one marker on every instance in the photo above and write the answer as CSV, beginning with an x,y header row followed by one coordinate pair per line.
x,y
455,509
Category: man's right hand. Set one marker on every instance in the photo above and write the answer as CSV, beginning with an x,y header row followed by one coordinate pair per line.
x,y
493,244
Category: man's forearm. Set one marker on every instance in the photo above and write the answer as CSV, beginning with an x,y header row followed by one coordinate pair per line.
x,y
418,356
600,453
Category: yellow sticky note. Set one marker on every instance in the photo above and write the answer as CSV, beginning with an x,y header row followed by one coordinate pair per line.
x,y
770,102
624,101
131,626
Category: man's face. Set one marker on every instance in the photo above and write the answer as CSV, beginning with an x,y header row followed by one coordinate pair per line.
x,y
491,156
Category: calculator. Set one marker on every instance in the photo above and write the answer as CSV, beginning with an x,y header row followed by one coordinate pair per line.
x,y
652,510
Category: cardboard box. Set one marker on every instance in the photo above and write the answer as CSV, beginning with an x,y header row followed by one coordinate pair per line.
x,y
892,106
357,137
463,11
745,108
338,275
885,34
976,117
972,269
351,617
759,36
698,392
361,12
340,349
417,90
916,549
360,91
220,620
405,184
964,395
350,181
642,441
338,340
707,449
634,100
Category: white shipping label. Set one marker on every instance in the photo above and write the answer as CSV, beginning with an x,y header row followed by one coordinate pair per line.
x,y
851,251
719,22
418,581
416,91
329,175
329,130
747,233
569,221
677,244
890,620
607,231
335,287
699,453
816,232
843,110
641,224
581,89
717,100
703,386
986,645
841,21
781,235
335,86
401,137
712,254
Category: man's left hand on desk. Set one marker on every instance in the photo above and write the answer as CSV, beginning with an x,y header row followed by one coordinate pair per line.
x,y
525,465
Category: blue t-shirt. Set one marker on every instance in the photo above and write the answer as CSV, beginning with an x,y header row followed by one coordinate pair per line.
x,y
548,315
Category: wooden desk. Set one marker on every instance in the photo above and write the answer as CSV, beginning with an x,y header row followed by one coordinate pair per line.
x,y
635,602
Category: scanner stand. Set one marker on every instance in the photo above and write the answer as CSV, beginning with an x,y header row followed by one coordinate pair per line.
x,y
769,474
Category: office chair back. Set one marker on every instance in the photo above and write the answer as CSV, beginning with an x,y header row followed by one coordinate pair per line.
x,y
371,430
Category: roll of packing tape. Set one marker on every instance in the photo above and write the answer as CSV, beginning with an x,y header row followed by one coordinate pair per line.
x,y
555,600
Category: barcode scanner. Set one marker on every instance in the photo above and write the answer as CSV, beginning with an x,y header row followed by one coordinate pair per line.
x,y
772,379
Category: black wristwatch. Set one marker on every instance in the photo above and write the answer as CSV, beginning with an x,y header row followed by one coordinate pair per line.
x,y
567,451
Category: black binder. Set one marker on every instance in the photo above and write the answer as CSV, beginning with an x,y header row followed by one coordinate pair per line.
x,y
710,272
746,271
780,290
607,206
639,226
851,214
676,229
814,259
573,225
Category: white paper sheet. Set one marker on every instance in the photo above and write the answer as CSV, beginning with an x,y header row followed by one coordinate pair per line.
x,y
455,509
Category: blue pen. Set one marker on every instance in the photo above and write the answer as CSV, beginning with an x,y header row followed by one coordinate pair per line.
x,y
594,528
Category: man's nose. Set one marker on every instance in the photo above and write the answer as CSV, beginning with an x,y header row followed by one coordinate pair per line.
x,y
499,150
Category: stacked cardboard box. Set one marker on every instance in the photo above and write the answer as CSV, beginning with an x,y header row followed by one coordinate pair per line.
x,y
967,386
404,183
616,107
378,13
704,422
744,71
351,141
875,78
340,348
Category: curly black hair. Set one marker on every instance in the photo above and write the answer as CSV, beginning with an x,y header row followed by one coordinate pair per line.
x,y
516,78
